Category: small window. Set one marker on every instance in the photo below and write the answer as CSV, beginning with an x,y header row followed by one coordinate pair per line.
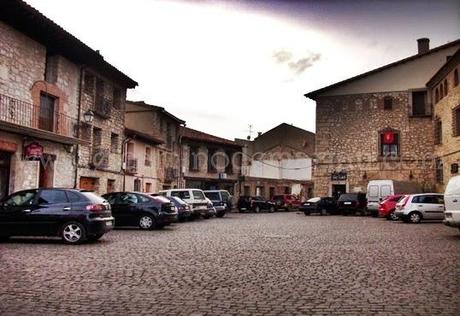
x,y
21,198
456,121
74,197
446,88
148,187
148,157
439,170
52,197
114,139
455,77
127,198
137,185
89,83
385,191
194,163
97,137
388,103
438,131
389,144
373,191
110,185
198,195
51,68
419,103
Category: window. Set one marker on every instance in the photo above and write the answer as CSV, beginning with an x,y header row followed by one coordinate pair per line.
x,y
127,198
438,131
148,187
23,198
439,170
114,142
181,194
389,144
446,89
137,185
419,103
212,161
436,100
194,164
97,138
385,191
373,191
148,158
455,77
52,197
74,197
456,121
388,103
116,97
441,91
89,83
110,185
198,195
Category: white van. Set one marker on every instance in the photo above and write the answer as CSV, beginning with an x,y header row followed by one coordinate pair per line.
x,y
193,197
452,203
377,190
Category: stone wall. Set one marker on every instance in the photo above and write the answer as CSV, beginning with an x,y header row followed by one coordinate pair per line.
x,y
347,139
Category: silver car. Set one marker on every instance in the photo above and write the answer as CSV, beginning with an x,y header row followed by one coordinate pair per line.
x,y
416,207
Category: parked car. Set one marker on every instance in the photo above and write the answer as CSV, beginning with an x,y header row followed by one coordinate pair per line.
x,y
220,200
142,210
286,202
452,202
255,204
378,190
74,215
184,211
388,205
211,209
321,205
193,197
352,203
417,207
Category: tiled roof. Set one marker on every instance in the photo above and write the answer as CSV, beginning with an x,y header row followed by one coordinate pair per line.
x,y
192,134
159,108
150,138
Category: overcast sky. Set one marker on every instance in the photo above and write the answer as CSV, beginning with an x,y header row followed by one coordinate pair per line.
x,y
222,65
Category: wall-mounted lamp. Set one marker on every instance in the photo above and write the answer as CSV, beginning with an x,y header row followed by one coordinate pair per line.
x,y
88,117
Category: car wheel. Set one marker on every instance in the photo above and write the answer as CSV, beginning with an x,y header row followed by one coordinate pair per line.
x,y
272,209
257,209
73,233
95,237
393,216
220,215
415,217
146,222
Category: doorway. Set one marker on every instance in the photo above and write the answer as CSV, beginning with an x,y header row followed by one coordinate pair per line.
x,y
5,164
46,174
338,189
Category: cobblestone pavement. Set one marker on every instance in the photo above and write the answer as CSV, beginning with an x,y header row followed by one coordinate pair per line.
x,y
265,264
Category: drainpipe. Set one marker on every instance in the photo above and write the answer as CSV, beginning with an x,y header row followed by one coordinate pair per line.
x,y
77,148
124,160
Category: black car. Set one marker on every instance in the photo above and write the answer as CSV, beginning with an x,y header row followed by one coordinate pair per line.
x,y
74,215
255,204
142,210
321,205
220,201
184,211
352,203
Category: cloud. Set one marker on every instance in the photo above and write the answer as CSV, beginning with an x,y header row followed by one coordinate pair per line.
x,y
282,56
297,66
300,65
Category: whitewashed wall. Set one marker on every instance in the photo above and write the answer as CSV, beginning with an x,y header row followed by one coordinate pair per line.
x,y
290,169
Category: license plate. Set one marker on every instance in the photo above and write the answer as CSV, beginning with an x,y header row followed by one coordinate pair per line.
x,y
109,224
243,209
347,203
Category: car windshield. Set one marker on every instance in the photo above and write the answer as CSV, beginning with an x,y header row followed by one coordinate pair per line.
x,y
93,197
213,196
21,198
348,197
198,195
314,200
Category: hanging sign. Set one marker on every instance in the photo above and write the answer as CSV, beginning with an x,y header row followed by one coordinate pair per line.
x,y
33,151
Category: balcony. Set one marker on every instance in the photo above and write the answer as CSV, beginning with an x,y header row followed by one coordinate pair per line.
x,y
131,166
37,121
103,107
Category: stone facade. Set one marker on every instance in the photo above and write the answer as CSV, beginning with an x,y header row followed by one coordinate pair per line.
x,y
445,94
348,140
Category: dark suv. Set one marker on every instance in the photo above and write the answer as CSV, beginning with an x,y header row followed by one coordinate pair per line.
x,y
352,203
142,210
321,205
255,204
74,215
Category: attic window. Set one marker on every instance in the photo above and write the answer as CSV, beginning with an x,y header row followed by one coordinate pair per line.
x,y
388,103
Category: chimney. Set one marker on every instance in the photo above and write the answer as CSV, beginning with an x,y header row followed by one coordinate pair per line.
x,y
423,45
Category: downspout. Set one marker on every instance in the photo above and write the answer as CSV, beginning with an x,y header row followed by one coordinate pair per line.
x,y
124,160
77,148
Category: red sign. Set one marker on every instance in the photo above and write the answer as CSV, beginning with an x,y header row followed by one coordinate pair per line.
x,y
388,138
33,151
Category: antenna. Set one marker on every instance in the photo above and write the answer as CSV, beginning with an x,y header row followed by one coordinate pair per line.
x,y
250,132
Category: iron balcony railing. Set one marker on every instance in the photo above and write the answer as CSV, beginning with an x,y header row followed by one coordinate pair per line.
x,y
26,114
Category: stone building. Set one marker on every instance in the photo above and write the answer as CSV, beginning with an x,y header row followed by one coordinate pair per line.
x,y
154,135
444,90
209,162
48,81
378,125
278,162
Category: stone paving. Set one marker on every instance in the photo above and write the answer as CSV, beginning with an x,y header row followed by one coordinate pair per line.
x,y
260,264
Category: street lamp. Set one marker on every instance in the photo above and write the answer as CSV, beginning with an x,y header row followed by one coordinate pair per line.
x,y
88,116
